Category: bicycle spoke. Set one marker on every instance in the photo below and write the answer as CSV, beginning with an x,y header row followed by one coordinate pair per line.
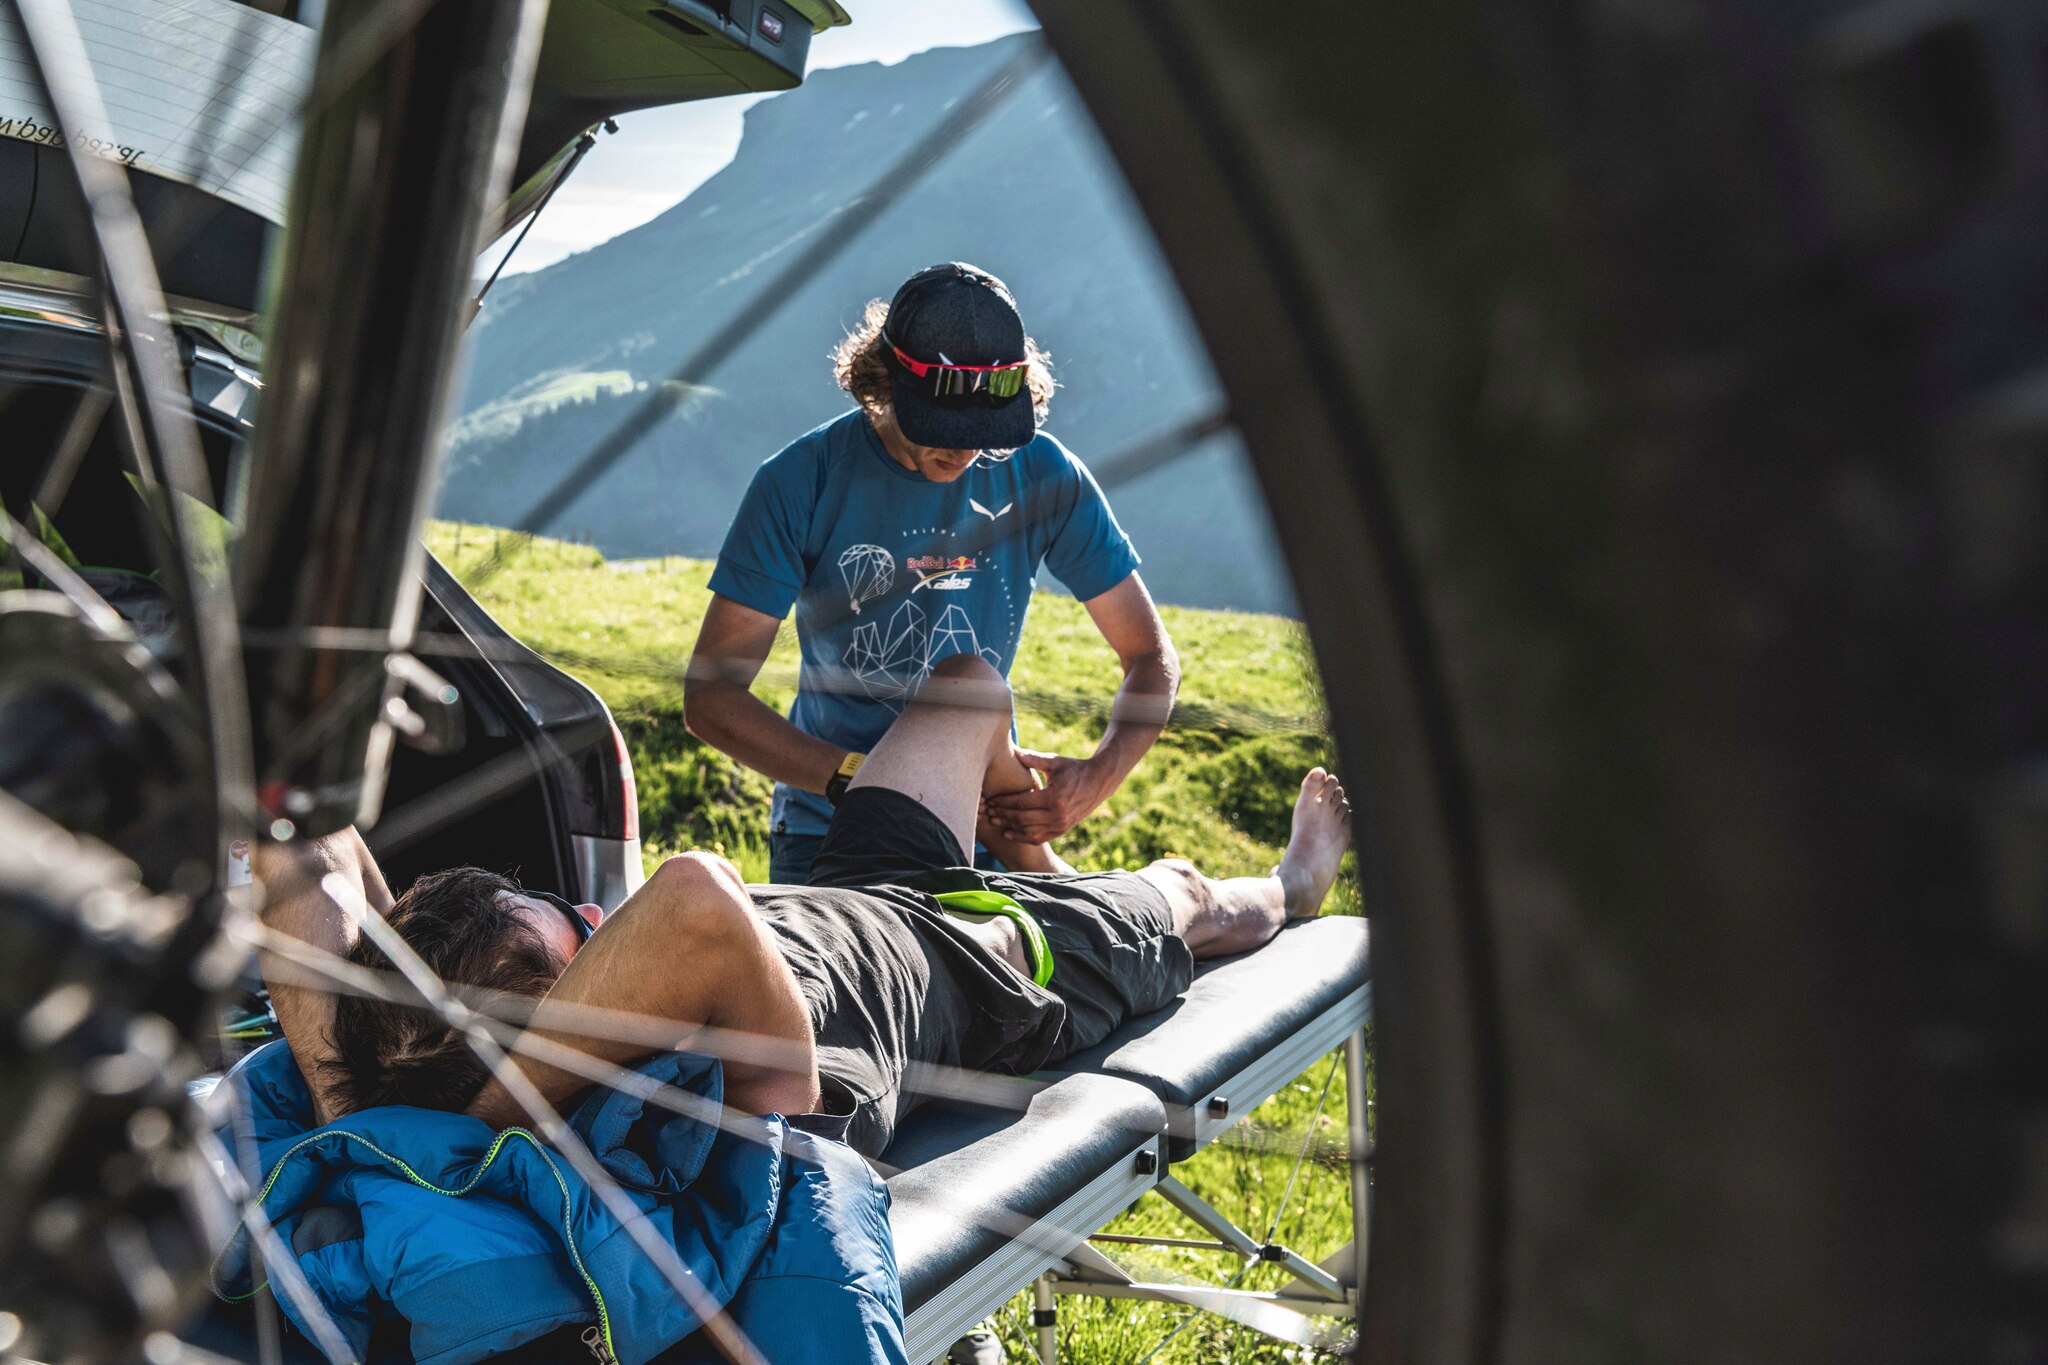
x,y
1156,452
1187,1321
723,1333
86,419
61,576
825,679
273,1254
164,1349
855,216
162,439
1280,1211
1251,1136
269,1330
494,1039
822,679
269,1333
474,789
298,963
229,74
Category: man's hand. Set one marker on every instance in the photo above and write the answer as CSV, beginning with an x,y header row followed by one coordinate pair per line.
x,y
1073,789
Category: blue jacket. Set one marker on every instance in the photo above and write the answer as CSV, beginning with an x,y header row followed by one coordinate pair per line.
x,y
483,1240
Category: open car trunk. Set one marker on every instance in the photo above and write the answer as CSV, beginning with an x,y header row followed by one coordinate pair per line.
x,y
537,772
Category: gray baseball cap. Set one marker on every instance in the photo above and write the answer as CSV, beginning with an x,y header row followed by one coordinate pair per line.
x,y
957,373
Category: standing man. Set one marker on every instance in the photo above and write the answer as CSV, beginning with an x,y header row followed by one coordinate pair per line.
x,y
910,529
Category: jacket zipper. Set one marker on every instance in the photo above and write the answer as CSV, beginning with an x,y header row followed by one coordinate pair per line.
x,y
597,1338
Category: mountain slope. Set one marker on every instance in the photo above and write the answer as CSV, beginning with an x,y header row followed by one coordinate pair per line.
x,y
564,354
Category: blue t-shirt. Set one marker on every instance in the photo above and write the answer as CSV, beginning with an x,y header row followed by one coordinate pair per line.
x,y
890,572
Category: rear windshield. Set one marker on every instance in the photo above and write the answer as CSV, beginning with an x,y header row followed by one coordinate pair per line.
x,y
203,92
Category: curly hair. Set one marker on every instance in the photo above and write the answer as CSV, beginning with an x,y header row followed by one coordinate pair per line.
x,y
463,924
860,364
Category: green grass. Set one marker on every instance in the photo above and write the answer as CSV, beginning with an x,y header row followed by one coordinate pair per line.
x,y
1217,789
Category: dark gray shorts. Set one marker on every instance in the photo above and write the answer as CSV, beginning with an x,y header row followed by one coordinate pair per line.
x,y
1115,954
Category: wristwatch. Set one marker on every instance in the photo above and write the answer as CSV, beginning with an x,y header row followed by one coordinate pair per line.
x,y
835,786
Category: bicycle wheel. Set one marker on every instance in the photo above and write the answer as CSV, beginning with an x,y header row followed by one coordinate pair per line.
x,y
1638,394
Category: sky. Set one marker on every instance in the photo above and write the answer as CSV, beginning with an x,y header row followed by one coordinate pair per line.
x,y
659,155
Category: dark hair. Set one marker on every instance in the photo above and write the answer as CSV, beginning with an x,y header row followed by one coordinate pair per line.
x,y
464,926
860,364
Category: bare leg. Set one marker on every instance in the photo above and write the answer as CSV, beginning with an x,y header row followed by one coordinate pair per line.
x,y
942,746
1236,915
951,746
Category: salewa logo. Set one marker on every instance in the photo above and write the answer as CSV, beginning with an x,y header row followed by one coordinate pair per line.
x,y
985,512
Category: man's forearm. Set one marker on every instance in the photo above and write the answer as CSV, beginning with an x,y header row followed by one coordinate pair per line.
x,y
1138,715
297,905
732,719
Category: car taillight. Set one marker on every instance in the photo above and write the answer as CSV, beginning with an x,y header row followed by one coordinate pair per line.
x,y
629,794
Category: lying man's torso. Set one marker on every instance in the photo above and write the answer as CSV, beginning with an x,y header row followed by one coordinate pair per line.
x,y
890,980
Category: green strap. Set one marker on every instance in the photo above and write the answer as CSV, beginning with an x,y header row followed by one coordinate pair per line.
x,y
996,903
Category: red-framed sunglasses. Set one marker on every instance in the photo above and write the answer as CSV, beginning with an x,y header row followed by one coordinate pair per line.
x,y
997,382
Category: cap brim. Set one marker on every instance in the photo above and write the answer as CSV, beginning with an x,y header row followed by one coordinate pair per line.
x,y
928,423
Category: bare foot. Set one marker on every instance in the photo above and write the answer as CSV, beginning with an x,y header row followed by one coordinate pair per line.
x,y
1322,831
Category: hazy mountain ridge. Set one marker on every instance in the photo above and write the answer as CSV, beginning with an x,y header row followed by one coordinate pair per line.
x,y
563,354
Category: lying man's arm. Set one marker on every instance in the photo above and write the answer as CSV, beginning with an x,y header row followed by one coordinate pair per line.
x,y
295,904
684,952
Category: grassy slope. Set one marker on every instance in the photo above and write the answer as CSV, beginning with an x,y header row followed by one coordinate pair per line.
x,y
1216,789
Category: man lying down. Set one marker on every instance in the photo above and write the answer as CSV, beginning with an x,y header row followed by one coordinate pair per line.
x,y
847,984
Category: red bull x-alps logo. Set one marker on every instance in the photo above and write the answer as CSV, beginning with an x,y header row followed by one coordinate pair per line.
x,y
939,573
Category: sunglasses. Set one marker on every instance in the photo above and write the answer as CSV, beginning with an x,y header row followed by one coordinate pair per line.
x,y
992,383
584,928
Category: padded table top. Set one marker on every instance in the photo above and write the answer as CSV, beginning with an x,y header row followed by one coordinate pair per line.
x,y
983,1199
1306,987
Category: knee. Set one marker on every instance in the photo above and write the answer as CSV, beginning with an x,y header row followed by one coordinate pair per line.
x,y
968,668
1183,885
1178,873
967,682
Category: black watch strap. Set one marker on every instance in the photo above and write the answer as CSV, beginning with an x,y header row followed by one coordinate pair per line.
x,y
835,786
